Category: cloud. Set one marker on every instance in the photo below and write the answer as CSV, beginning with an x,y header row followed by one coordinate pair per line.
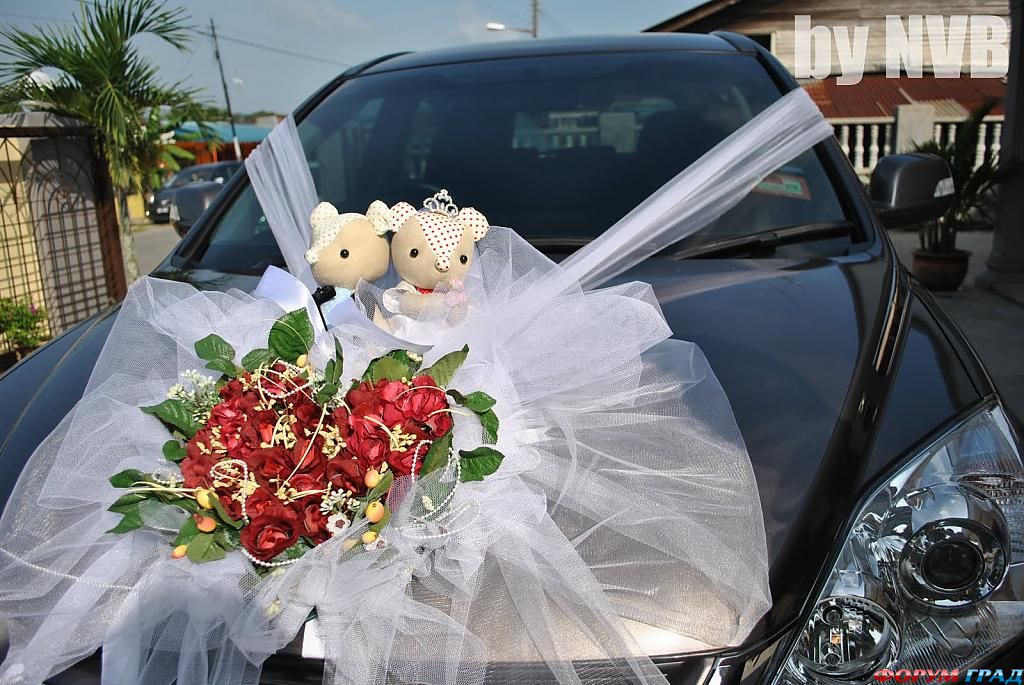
x,y
321,16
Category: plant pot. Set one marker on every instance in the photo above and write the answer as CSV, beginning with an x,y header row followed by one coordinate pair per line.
x,y
941,271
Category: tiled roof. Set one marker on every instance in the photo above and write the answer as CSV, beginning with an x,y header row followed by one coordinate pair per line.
x,y
878,96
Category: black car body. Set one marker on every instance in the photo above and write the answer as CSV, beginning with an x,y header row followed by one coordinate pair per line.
x,y
158,204
839,367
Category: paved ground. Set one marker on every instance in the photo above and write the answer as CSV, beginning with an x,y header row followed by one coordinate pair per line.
x,y
992,323
152,243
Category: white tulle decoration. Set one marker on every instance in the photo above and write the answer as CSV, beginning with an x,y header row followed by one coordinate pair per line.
x,y
626,501
283,183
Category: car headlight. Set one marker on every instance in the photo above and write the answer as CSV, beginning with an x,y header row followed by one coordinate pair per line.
x,y
931,575
172,214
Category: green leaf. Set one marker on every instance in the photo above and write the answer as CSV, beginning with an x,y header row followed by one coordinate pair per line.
x,y
225,366
186,504
381,488
227,538
326,392
291,335
214,347
204,548
489,422
174,414
437,455
174,451
444,368
223,514
129,522
478,401
296,550
385,369
261,356
187,533
127,503
127,478
479,463
339,357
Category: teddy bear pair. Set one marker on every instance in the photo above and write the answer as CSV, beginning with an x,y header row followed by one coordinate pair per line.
x,y
430,248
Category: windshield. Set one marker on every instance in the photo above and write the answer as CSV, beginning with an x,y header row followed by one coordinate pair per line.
x,y
556,147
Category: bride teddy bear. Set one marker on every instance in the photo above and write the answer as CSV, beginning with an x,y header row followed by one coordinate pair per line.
x,y
432,251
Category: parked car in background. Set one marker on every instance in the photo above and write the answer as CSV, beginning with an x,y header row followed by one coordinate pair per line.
x,y
189,203
889,473
158,204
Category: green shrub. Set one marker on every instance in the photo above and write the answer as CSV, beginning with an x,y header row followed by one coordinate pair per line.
x,y
21,324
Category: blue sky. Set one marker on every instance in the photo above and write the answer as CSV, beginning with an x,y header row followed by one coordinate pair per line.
x,y
341,32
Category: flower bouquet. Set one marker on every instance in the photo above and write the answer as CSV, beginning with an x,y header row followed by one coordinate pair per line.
x,y
274,457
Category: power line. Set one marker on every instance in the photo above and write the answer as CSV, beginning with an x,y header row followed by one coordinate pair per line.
x,y
281,51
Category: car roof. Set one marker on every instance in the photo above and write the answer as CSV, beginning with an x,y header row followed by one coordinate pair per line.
x,y
554,46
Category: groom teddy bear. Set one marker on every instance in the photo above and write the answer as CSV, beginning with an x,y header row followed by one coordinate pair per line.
x,y
346,248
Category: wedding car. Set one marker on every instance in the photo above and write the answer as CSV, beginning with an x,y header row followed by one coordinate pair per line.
x,y
889,472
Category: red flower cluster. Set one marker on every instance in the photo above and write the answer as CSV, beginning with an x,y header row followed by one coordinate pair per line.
x,y
292,447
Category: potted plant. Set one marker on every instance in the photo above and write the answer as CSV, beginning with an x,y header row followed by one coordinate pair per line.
x,y
938,264
22,327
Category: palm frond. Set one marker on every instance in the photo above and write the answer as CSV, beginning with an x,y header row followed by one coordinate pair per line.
x,y
102,78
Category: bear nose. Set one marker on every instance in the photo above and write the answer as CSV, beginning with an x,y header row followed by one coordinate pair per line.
x,y
442,265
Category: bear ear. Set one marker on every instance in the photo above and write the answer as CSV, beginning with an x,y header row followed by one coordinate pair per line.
x,y
475,221
379,217
323,217
323,222
399,213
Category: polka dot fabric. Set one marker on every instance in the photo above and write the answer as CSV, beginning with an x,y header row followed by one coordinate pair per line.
x,y
443,235
475,221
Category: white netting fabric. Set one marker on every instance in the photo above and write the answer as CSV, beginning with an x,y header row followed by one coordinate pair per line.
x,y
626,499
626,493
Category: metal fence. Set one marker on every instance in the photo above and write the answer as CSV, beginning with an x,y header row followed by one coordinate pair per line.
x,y
59,241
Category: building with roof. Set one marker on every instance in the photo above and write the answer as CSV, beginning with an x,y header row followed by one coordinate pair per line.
x,y
864,113
189,137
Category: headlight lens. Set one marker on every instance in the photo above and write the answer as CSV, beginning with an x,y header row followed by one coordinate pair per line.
x,y
932,573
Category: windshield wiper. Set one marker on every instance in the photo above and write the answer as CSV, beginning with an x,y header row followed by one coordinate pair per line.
x,y
751,242
558,243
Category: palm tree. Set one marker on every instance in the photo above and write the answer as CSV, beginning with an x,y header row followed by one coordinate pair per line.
x,y
100,77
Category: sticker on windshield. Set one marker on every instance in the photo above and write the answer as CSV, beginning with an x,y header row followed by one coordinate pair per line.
x,y
784,185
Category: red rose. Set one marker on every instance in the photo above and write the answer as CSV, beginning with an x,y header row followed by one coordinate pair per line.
x,y
272,532
259,502
232,389
313,522
371,450
346,474
401,462
277,462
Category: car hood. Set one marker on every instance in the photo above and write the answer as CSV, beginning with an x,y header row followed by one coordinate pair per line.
x,y
788,340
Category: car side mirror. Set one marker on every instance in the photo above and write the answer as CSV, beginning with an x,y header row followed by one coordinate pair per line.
x,y
911,188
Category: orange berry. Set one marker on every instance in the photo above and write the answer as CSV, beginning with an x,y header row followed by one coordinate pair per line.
x,y
205,524
375,512
205,498
302,360
369,537
179,551
371,478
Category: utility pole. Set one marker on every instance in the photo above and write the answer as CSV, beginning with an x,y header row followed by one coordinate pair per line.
x,y
534,17
224,83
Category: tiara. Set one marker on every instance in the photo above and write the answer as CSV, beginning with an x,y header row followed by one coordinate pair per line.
x,y
441,203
